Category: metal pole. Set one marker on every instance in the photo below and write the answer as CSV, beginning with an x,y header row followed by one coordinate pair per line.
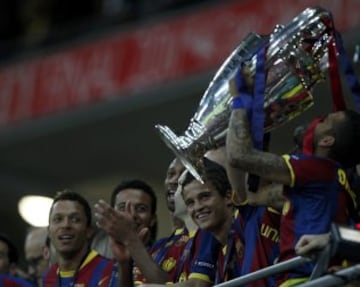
x,y
265,272
337,279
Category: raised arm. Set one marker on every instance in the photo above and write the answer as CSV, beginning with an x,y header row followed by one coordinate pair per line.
x,y
268,194
242,155
237,179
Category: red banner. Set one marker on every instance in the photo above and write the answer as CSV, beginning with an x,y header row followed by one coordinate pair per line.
x,y
143,58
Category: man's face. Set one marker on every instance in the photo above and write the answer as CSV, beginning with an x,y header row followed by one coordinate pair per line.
x,y
36,254
171,182
4,258
140,206
205,205
326,126
68,228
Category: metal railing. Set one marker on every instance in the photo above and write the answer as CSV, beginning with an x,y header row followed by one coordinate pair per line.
x,y
339,278
265,272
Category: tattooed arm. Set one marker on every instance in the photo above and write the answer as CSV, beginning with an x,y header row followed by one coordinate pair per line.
x,y
269,194
237,179
242,155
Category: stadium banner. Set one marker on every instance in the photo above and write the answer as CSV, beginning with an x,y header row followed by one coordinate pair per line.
x,y
145,57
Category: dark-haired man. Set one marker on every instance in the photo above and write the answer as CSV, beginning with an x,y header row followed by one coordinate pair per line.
x,y
131,223
143,203
70,232
167,251
126,199
210,206
315,185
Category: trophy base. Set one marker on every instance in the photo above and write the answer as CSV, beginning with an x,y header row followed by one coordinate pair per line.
x,y
175,143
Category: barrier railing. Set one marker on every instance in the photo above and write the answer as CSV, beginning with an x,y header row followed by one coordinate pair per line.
x,y
339,278
265,272
344,244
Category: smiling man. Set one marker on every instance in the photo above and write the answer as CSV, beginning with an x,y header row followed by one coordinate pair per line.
x,y
142,199
130,217
70,232
211,208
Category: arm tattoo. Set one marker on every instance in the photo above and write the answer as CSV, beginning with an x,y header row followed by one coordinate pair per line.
x,y
239,128
243,155
275,197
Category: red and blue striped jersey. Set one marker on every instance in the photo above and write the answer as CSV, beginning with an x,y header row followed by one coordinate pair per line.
x,y
12,281
166,252
318,195
96,271
199,258
262,236
230,257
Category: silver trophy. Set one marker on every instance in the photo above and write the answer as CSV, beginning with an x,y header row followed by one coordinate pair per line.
x,y
295,60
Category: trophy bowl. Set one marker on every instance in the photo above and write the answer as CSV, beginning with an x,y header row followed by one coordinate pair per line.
x,y
294,64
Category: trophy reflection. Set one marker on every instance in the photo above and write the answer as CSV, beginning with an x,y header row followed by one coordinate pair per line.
x,y
294,64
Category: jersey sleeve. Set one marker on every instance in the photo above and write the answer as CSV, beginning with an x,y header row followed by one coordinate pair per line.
x,y
310,169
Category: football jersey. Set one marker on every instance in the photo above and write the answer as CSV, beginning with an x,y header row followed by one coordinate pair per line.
x,y
318,195
166,253
95,271
12,281
230,256
199,257
262,236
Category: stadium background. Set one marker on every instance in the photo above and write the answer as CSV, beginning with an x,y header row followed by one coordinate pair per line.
x,y
78,103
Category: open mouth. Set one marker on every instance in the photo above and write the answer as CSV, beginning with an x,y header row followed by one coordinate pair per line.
x,y
202,216
66,238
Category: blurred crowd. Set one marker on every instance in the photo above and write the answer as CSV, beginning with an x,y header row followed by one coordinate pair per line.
x,y
32,24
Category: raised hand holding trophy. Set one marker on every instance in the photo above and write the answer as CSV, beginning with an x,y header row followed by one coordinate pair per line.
x,y
296,58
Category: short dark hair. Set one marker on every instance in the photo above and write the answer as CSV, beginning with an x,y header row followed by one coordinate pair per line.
x,y
12,251
135,184
346,149
214,173
141,185
68,194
